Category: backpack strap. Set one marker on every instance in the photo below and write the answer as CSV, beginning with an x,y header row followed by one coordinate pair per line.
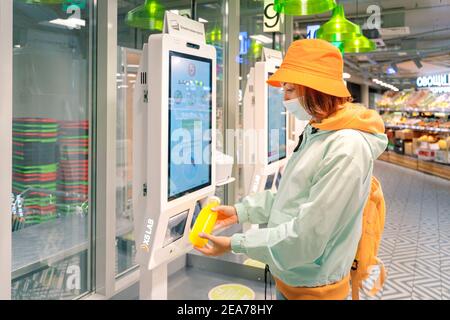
x,y
378,285
356,284
267,280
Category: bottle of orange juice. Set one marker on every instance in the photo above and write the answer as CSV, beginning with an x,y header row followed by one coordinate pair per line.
x,y
205,223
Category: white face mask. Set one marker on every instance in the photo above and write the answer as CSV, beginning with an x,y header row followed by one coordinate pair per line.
x,y
295,107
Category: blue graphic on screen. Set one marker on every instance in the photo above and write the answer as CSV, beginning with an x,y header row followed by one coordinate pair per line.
x,y
277,125
190,124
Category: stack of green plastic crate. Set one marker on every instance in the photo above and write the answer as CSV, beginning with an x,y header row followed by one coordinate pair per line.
x,y
35,167
73,169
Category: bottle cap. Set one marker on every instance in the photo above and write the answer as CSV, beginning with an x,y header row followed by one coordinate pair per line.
x,y
214,199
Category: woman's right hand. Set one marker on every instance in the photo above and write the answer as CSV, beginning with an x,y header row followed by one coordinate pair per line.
x,y
226,216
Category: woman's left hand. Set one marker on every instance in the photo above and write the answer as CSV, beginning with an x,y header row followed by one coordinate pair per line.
x,y
220,245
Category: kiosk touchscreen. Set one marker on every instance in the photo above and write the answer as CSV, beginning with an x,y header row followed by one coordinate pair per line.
x,y
190,114
264,114
177,175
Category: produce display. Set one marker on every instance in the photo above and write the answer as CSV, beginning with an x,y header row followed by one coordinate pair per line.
x,y
422,121
443,144
418,127
441,102
387,99
426,138
410,99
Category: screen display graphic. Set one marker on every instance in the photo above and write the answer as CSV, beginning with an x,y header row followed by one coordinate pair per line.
x,y
190,124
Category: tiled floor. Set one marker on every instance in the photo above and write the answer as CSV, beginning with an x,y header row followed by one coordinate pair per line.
x,y
416,242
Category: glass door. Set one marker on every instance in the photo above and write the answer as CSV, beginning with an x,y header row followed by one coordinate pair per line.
x,y
50,212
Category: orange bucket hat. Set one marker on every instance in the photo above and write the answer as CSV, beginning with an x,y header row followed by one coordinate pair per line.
x,y
313,63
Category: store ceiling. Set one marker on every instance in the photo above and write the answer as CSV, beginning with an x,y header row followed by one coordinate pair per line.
x,y
410,31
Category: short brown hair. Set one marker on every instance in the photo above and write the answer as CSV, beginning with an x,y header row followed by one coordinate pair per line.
x,y
318,104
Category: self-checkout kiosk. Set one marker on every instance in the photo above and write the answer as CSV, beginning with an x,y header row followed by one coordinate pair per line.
x,y
175,146
266,128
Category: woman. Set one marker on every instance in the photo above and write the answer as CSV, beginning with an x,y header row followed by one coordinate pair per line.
x,y
315,219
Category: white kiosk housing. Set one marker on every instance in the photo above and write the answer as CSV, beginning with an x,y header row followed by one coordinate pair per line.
x,y
265,115
174,143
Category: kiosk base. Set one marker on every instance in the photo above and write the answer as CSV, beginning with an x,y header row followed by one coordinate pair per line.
x,y
153,283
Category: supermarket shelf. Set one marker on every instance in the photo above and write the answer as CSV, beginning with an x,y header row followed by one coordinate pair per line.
x,y
433,168
414,110
403,160
418,128
440,170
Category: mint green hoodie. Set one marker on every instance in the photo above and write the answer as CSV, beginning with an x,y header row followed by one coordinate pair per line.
x,y
315,218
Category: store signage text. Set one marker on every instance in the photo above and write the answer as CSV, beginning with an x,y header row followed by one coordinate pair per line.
x,y
73,281
273,21
311,31
243,43
75,11
437,83
374,21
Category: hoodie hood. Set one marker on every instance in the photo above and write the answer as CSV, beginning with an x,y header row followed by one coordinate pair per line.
x,y
358,117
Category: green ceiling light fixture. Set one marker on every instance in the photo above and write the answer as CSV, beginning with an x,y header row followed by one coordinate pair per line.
x,y
338,28
79,3
303,7
149,16
339,45
359,44
66,3
214,36
44,1
256,49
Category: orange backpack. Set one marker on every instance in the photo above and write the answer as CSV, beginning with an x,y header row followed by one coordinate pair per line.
x,y
366,256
